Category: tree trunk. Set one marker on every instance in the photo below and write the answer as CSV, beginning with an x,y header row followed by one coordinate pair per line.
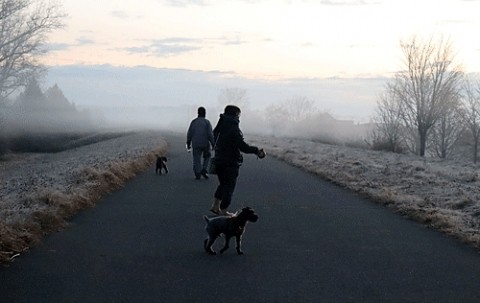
x,y
423,142
475,151
443,153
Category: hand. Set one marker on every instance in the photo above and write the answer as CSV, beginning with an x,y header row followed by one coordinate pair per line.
x,y
261,153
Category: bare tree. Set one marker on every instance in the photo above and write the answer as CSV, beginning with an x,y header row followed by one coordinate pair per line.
x,y
389,125
24,25
299,108
427,85
447,130
288,117
471,103
277,117
234,96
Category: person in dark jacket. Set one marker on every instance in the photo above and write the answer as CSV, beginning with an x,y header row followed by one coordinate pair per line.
x,y
200,137
229,146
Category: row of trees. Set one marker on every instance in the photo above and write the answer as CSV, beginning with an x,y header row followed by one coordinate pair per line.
x,y
37,111
297,116
430,104
279,118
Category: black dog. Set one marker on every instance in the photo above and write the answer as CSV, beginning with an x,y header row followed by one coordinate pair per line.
x,y
161,164
229,226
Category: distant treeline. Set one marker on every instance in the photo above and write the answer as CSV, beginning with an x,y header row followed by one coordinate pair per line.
x,y
37,111
37,120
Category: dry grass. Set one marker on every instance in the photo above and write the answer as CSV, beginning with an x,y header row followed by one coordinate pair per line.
x,y
35,215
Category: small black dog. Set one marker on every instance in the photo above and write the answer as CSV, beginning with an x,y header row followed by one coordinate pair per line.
x,y
229,226
161,164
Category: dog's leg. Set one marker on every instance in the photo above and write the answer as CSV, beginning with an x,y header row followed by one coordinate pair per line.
x,y
227,244
208,245
166,169
239,244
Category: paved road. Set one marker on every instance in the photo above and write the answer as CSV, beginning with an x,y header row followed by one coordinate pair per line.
x,y
314,242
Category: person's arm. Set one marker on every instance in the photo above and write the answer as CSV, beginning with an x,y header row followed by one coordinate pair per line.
x,y
243,146
210,134
189,136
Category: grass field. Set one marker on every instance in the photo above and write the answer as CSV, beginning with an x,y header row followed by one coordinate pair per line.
x,y
49,178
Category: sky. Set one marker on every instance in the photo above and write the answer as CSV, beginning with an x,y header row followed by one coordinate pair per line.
x,y
322,49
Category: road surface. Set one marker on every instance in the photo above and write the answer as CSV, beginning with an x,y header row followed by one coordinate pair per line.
x,y
314,242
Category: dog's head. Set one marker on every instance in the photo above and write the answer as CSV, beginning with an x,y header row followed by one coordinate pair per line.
x,y
248,214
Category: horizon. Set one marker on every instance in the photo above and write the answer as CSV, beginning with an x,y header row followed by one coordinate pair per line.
x,y
264,46
123,87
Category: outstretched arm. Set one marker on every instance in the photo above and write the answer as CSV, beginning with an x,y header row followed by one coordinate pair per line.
x,y
243,146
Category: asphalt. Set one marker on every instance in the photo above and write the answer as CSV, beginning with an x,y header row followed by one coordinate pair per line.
x,y
314,242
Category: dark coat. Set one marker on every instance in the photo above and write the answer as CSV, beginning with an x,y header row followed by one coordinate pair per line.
x,y
199,134
229,142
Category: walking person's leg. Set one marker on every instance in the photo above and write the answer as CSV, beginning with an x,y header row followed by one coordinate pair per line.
x,y
229,183
197,165
206,161
221,173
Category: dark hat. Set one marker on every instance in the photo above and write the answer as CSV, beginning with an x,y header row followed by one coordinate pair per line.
x,y
201,111
232,110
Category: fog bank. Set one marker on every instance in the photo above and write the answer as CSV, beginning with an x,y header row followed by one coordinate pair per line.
x,y
99,86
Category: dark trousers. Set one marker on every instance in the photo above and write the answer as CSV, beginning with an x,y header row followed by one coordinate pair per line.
x,y
198,152
227,176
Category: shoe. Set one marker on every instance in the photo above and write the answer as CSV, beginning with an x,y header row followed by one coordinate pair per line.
x,y
215,207
224,212
215,211
197,176
204,174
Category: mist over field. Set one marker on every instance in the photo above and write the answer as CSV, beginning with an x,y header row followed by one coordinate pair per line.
x,y
107,98
146,97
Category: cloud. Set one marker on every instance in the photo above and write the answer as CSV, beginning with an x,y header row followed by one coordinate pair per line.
x,y
167,47
454,22
119,14
183,3
65,46
52,47
84,41
308,44
227,40
348,2
175,46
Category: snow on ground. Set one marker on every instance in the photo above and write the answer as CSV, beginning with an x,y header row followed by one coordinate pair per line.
x,y
444,195
39,191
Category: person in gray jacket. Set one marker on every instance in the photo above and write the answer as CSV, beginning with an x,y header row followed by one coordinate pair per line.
x,y
200,138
